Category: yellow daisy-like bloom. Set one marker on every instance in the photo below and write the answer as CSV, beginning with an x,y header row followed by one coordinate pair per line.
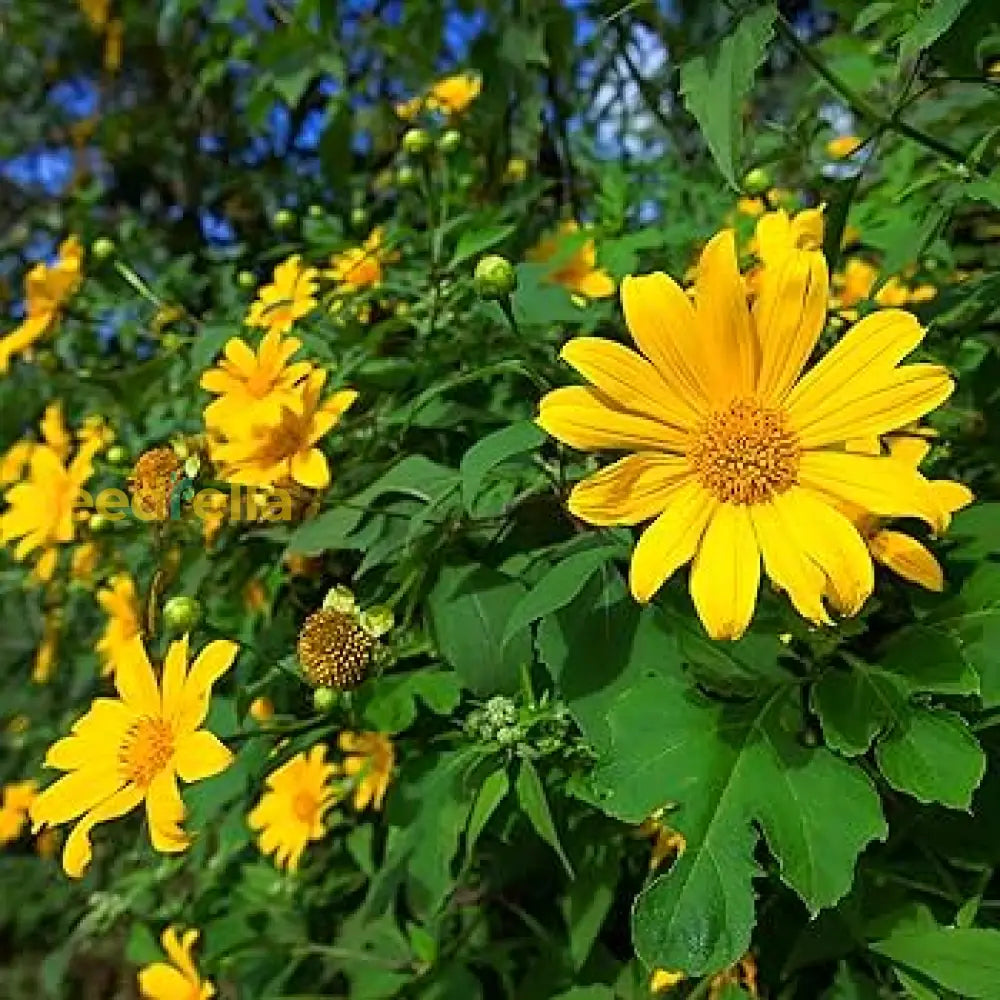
x,y
269,454
46,288
895,550
254,387
453,94
843,146
178,980
361,267
370,760
739,456
131,749
17,799
290,296
120,603
290,813
575,270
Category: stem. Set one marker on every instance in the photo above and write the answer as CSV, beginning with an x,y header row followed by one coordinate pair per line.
x,y
860,106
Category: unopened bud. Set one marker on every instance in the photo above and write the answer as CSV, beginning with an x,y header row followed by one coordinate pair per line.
x,y
494,278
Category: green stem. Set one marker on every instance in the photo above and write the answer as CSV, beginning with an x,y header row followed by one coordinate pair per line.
x,y
860,106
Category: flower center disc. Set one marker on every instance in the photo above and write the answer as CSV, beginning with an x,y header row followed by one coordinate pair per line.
x,y
745,453
146,749
305,807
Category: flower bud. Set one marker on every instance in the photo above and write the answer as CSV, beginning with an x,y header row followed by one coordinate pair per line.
x,y
316,212
99,523
324,699
359,218
284,218
246,279
494,278
261,709
406,176
416,142
757,181
102,248
450,141
117,454
377,620
181,613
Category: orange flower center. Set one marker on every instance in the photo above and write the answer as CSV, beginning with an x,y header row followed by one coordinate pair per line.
x,y
146,749
745,453
306,807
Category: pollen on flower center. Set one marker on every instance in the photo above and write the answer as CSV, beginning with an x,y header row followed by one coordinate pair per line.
x,y
305,807
745,453
145,750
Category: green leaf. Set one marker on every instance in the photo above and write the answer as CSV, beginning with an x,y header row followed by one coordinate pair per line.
x,y
588,901
467,610
489,452
856,705
716,86
976,532
531,796
733,770
392,703
492,792
557,587
932,22
964,961
475,241
934,757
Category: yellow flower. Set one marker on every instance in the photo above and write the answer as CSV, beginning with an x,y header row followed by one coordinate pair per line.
x,y
453,94
739,456
45,655
576,270
855,283
290,813
663,981
269,454
842,146
370,759
180,979
17,799
409,109
777,234
96,12
85,560
40,509
262,709
131,749
46,288
120,603
361,267
254,387
290,296
516,170
895,550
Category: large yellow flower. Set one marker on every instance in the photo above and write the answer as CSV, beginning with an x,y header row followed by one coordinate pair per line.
x,y
739,456
270,454
290,813
575,269
46,288
178,980
361,267
254,387
131,749
290,296
369,761
120,603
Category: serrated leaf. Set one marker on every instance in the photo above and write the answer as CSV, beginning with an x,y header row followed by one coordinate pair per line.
x,y
933,756
392,703
965,961
489,452
714,87
532,799
855,705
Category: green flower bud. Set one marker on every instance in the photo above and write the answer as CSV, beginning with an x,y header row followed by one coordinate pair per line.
x,y
99,523
284,218
324,699
340,598
757,181
181,613
246,279
359,217
416,142
508,735
170,341
494,278
450,141
316,212
406,176
102,248
117,454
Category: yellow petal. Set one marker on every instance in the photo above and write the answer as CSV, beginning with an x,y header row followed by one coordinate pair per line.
x,y
906,557
789,315
662,322
77,851
179,950
135,681
671,540
785,562
951,496
586,419
725,575
875,483
199,755
310,468
76,793
174,674
634,489
596,284
628,380
877,403
213,661
160,981
724,319
165,810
